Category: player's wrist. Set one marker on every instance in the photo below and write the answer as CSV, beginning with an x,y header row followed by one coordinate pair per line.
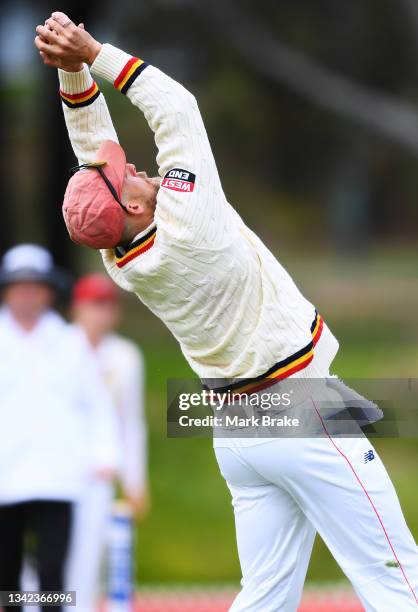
x,y
94,49
75,82
110,62
79,67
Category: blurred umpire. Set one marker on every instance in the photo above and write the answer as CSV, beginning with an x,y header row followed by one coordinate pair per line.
x,y
56,419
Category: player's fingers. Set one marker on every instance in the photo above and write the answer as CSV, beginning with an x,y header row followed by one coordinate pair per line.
x,y
48,60
62,19
54,25
38,42
41,44
48,48
81,26
47,34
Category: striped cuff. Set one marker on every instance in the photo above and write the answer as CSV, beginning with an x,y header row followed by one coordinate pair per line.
x,y
117,67
77,89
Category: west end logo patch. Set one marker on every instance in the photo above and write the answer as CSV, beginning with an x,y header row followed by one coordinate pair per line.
x,y
179,180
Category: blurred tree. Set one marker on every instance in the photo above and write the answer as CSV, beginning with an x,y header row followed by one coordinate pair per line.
x,y
7,227
389,117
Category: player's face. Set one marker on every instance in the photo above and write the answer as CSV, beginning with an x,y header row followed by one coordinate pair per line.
x,y
28,300
132,171
98,317
138,186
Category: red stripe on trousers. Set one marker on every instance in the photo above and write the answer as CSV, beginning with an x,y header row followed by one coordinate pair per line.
x,y
370,500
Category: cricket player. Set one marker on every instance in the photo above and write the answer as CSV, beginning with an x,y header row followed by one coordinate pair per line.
x,y
96,312
177,243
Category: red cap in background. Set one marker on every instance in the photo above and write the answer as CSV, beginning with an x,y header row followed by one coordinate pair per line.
x,y
95,287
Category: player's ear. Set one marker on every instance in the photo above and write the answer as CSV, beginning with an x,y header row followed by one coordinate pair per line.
x,y
130,170
135,208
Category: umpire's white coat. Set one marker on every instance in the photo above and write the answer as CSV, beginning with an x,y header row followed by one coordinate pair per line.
x,y
56,416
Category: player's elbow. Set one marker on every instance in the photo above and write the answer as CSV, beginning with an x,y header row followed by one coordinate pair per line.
x,y
185,100
185,105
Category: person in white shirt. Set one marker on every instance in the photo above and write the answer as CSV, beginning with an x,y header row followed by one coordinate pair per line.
x,y
241,323
96,312
56,419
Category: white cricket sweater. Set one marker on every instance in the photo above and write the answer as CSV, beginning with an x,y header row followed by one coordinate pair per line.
x,y
233,308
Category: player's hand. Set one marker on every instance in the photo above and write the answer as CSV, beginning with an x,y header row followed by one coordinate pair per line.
x,y
139,504
62,44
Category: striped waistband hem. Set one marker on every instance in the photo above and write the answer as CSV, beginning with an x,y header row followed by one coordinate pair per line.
x,y
282,369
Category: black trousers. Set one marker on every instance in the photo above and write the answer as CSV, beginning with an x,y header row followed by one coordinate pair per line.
x,y
49,524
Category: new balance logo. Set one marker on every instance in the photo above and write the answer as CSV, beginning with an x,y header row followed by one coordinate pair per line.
x,y
369,456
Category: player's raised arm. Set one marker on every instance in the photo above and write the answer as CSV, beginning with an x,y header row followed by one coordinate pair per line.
x,y
170,110
191,203
86,114
188,204
85,110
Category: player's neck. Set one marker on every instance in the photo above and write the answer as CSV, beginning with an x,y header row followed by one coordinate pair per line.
x,y
135,225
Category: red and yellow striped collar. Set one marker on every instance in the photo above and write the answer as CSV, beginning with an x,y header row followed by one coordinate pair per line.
x,y
139,246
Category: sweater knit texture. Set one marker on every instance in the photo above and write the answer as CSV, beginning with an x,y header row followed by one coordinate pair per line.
x,y
233,308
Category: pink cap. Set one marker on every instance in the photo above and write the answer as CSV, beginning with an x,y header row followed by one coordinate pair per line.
x,y
92,215
95,287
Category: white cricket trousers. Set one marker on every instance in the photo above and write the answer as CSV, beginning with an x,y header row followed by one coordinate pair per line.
x,y
286,490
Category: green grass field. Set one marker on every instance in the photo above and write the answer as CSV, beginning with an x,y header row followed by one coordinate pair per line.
x,y
189,535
